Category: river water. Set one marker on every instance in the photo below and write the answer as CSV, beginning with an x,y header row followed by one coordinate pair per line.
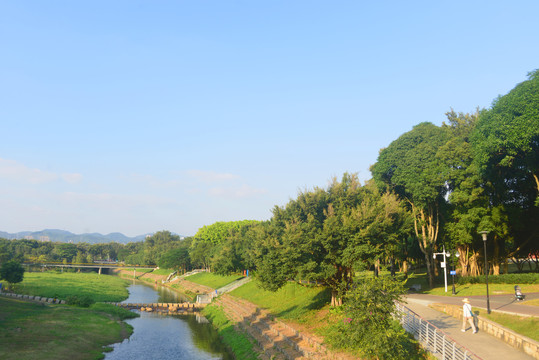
x,y
164,337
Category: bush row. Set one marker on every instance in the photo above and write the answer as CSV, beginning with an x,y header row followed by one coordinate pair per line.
x,y
517,279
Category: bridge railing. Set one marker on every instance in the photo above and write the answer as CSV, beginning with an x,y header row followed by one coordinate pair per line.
x,y
431,338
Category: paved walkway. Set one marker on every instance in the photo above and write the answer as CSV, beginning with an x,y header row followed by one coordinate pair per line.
x,y
482,344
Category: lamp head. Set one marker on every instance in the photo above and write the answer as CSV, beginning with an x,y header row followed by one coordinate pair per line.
x,y
484,235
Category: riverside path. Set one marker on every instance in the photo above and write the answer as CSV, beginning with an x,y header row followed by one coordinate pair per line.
x,y
482,344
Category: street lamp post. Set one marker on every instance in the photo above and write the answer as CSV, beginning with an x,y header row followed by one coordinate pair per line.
x,y
444,265
453,273
484,235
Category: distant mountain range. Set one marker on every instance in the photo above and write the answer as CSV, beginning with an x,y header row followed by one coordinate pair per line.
x,y
55,235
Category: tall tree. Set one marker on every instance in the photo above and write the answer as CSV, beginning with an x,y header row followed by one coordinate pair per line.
x,y
410,167
506,150
324,235
506,142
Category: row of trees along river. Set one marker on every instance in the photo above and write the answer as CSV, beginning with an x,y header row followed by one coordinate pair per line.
x,y
434,186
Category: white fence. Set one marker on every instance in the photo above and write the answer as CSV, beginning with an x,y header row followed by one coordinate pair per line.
x,y
431,338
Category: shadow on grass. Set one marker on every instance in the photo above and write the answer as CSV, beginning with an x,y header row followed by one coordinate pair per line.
x,y
316,303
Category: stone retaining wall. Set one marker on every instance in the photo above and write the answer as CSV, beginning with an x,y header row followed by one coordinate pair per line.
x,y
33,298
510,337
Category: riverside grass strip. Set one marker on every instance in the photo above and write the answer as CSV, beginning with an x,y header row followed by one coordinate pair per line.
x,y
237,341
52,284
212,280
30,330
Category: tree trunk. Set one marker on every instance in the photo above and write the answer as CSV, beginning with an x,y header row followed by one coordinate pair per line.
x,y
426,226
475,270
464,261
405,267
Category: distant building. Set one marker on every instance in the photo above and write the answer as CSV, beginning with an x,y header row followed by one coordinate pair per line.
x,y
29,237
44,239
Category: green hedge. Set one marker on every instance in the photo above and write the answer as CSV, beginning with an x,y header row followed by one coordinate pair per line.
x,y
517,279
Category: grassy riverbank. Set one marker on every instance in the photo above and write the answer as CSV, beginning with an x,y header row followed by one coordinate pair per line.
x,y
212,280
31,330
62,285
238,343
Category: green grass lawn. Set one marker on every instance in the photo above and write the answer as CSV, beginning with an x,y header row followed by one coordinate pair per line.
x,y
61,285
466,289
292,301
212,280
163,271
527,326
31,330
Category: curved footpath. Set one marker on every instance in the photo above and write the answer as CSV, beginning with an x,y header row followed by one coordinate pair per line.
x,y
482,344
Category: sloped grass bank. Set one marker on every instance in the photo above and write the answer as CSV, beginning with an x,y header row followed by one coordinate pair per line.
x,y
31,330
292,301
236,341
104,288
212,280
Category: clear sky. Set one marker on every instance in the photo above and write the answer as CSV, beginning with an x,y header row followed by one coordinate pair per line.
x,y
140,116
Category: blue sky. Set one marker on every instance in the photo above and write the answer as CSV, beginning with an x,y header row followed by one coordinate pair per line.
x,y
140,116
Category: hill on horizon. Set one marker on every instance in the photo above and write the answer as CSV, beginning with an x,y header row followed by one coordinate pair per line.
x,y
56,235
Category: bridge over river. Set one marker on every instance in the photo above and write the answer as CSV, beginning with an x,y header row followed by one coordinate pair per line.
x,y
99,266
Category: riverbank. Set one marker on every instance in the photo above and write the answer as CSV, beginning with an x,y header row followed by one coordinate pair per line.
x,y
34,330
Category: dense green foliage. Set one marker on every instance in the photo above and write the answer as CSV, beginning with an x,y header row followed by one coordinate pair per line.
x,y
477,172
326,235
223,246
366,323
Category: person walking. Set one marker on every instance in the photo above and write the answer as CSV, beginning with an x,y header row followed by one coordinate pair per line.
x,y
467,315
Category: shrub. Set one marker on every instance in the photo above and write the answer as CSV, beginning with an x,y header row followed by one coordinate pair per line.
x,y
367,322
530,278
79,300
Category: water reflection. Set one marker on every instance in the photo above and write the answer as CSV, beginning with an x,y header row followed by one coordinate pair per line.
x,y
140,292
163,337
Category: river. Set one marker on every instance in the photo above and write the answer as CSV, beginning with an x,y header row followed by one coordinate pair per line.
x,y
164,337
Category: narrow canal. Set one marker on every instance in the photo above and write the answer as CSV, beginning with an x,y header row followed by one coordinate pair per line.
x,y
164,337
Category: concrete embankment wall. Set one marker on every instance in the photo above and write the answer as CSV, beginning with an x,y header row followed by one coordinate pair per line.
x,y
520,342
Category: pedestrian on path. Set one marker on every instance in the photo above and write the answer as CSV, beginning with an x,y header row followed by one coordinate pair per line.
x,y
467,315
